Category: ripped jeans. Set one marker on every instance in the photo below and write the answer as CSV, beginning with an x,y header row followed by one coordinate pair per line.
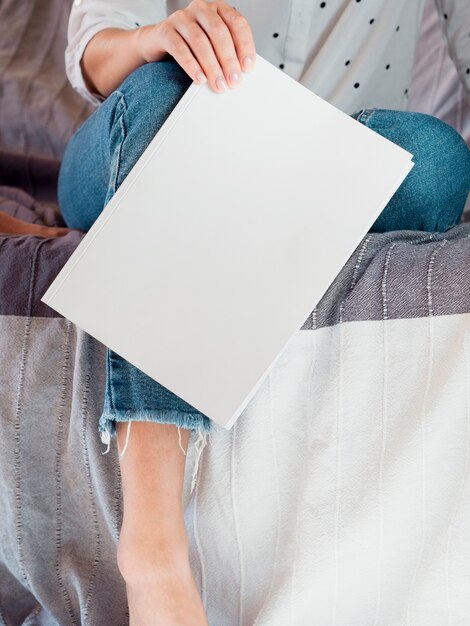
x,y
104,149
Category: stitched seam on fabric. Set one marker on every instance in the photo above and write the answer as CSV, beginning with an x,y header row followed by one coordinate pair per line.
x,y
307,431
341,312
84,422
314,318
383,438
429,276
338,467
461,494
273,569
383,286
429,287
17,419
357,266
276,484
64,382
235,519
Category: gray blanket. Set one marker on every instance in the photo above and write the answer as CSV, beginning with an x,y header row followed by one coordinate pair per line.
x,y
60,503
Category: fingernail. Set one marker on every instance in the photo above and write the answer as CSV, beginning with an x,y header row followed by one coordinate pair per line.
x,y
234,78
247,63
221,84
200,77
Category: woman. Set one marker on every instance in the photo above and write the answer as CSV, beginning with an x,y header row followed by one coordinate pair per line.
x,y
139,57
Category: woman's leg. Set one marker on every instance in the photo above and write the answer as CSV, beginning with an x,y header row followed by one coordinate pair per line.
x,y
152,550
433,195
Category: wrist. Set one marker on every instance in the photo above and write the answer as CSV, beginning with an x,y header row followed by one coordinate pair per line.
x,y
138,44
145,44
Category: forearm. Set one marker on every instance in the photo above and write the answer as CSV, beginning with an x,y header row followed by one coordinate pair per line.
x,y
210,40
110,56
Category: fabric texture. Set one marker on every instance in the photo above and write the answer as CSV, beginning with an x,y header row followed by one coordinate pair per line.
x,y
436,87
353,54
358,442
39,110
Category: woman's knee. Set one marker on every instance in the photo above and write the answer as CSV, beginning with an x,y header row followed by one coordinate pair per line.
x,y
144,101
435,191
152,91
109,143
442,169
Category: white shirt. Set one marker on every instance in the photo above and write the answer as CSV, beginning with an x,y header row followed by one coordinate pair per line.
x,y
353,53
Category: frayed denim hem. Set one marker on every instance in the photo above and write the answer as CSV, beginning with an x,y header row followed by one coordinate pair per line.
x,y
196,422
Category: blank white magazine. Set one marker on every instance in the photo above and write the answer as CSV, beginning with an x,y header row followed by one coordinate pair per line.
x,y
226,234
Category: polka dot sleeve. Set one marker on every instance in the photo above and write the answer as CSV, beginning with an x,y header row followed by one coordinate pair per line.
x,y
88,17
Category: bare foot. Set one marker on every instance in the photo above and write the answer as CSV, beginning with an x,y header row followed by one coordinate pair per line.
x,y
13,226
163,593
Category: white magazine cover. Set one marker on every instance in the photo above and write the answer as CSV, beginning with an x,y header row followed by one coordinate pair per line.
x,y
212,253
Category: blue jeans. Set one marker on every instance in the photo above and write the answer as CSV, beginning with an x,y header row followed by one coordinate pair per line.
x,y
103,150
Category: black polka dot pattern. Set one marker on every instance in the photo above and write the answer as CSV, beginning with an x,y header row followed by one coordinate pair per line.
x,y
368,42
324,5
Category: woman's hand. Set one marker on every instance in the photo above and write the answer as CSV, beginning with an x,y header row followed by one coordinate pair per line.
x,y
211,41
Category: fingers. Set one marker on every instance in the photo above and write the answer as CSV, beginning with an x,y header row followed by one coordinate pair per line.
x,y
174,44
210,40
241,34
223,57
202,47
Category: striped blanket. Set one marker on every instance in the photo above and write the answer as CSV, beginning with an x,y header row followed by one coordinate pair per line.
x,y
341,495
